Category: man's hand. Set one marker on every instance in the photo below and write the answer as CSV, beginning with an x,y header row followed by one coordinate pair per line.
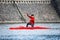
x,y
27,14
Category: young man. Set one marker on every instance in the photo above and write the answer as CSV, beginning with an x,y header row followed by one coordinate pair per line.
x,y
31,22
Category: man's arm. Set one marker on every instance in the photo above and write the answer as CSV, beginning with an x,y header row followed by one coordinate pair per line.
x,y
28,16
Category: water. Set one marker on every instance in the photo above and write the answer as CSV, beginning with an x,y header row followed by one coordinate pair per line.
x,y
30,37
49,34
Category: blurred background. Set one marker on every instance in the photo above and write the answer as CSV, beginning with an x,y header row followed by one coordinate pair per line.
x,y
43,10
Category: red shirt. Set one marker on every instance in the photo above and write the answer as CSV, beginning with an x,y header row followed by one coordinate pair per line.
x,y
31,19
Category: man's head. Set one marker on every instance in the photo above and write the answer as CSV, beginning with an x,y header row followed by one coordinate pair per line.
x,y
32,14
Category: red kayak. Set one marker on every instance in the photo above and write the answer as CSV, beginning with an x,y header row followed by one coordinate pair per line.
x,y
27,28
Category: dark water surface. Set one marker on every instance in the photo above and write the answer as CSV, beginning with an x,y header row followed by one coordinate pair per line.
x,y
30,37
